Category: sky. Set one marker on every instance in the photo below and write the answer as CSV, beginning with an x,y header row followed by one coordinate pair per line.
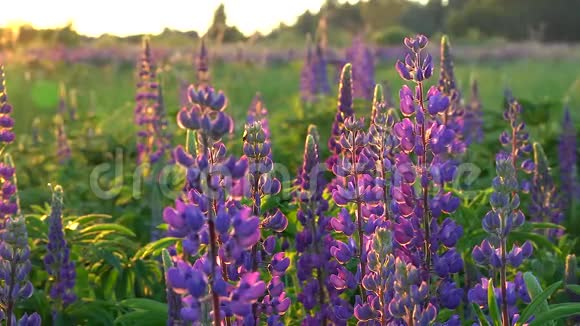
x,y
129,17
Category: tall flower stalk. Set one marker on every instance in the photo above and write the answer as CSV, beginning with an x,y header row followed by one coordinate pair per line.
x,y
567,148
516,141
363,71
6,121
383,142
424,144
15,262
152,137
218,274
57,261
473,119
453,117
257,149
545,205
504,217
355,186
202,65
344,111
313,244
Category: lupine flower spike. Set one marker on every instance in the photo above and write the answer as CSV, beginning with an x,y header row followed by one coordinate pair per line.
x,y
258,112
202,65
313,244
567,156
504,217
383,143
516,141
357,187
220,276
545,203
6,121
153,139
363,69
424,144
57,261
15,262
344,111
307,77
257,149
453,117
473,117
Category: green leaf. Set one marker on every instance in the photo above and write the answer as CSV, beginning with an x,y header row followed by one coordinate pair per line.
x,y
494,311
568,310
142,318
107,227
85,219
167,262
535,289
145,304
482,320
546,225
153,247
574,288
538,301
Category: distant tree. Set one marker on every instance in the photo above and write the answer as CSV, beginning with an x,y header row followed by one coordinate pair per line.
x,y
306,23
218,27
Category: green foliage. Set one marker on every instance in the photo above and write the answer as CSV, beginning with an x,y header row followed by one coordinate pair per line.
x,y
391,35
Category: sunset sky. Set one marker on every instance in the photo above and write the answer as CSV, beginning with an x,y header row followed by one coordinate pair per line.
x,y
126,17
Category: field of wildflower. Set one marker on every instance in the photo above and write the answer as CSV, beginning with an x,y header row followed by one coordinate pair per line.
x,y
331,188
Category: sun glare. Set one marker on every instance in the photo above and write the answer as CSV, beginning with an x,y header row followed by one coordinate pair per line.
x,y
151,16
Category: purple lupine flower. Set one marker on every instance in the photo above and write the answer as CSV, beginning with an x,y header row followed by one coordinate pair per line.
x,y
545,205
363,71
9,199
473,117
313,244
162,138
319,69
423,150
378,282
63,150
515,140
356,184
202,65
57,261
382,143
207,214
258,112
344,111
153,138
307,75
410,300
257,149
567,156
6,121
15,262
453,117
503,218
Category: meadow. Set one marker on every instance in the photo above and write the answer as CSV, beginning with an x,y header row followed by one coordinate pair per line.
x,y
122,258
